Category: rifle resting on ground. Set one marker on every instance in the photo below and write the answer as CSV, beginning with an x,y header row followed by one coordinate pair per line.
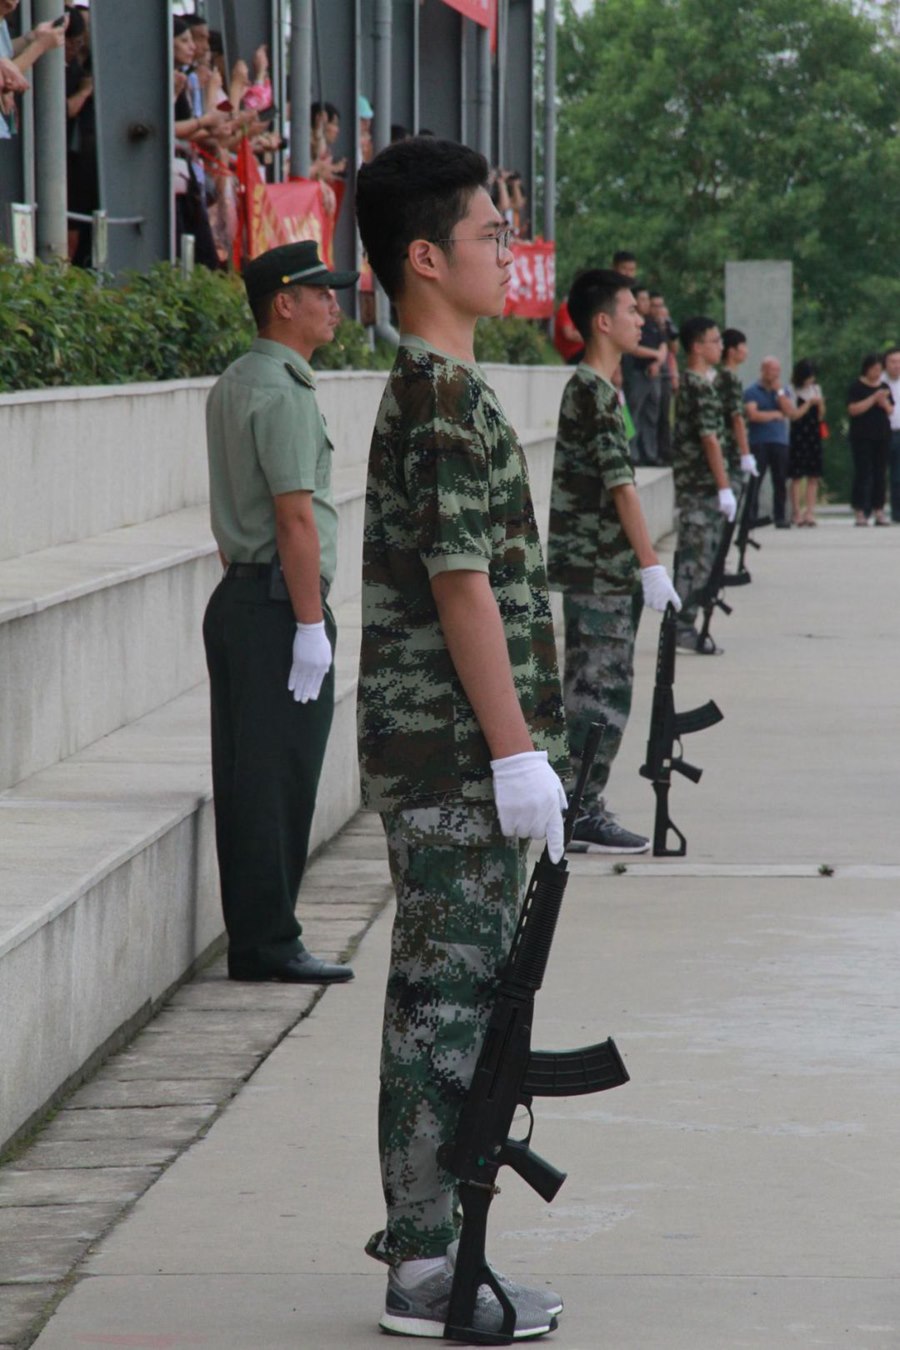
x,y
508,1075
749,520
666,730
711,595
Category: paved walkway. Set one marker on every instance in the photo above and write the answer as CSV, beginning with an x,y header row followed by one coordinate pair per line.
x,y
739,1192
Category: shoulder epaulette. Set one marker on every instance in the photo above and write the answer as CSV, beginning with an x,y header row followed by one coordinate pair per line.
x,y
299,376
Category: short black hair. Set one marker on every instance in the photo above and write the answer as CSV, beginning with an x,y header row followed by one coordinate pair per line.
x,y
692,330
329,109
889,351
399,132
594,292
869,360
415,189
637,286
732,337
197,21
803,371
623,256
656,295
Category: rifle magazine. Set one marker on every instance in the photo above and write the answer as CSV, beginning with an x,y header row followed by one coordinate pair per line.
x,y
574,1073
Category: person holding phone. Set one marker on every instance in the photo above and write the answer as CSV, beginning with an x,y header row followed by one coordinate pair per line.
x,y
17,55
869,405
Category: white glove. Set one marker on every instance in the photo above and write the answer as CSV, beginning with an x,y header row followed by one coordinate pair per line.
x,y
658,589
530,799
311,662
727,504
749,465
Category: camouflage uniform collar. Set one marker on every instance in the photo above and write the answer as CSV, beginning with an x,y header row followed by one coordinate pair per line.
x,y
279,352
593,374
418,344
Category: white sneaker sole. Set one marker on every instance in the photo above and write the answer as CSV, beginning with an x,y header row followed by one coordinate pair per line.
x,y
582,846
426,1329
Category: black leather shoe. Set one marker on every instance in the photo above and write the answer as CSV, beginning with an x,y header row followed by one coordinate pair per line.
x,y
304,968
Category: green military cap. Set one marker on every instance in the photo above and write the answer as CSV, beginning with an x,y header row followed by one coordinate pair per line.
x,y
291,265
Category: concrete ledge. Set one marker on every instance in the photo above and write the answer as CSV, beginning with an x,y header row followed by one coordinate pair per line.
x,y
75,463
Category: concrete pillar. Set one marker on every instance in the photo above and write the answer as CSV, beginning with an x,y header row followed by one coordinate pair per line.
x,y
50,143
381,130
301,85
484,93
549,119
759,301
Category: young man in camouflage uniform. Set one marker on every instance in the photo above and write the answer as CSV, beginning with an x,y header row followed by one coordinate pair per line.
x,y
729,386
599,552
702,490
461,729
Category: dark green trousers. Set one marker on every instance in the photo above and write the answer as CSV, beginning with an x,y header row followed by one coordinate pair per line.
x,y
267,755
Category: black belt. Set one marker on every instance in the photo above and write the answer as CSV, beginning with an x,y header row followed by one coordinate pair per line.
x,y
256,571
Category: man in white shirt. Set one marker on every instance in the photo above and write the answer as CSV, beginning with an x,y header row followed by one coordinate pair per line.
x,y
892,379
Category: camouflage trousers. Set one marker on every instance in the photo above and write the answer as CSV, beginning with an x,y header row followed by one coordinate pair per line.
x,y
599,675
459,886
699,530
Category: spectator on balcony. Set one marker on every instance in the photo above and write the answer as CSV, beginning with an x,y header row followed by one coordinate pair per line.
x,y
193,130
19,55
81,144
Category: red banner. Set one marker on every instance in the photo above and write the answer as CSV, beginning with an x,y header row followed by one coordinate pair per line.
x,y
286,213
533,284
479,11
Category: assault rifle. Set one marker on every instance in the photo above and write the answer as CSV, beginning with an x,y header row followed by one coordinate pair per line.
x,y
711,595
748,521
666,730
509,1074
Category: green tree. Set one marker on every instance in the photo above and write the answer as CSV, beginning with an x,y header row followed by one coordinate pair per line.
x,y
696,133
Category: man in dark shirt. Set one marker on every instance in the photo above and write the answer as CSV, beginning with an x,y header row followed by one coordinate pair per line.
x,y
640,373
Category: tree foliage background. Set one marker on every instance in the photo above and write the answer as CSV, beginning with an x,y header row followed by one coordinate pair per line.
x,y
694,132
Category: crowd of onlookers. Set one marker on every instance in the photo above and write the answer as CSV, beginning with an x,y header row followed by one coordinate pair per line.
x,y
786,424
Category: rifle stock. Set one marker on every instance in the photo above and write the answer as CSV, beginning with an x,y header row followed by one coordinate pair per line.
x,y
666,729
508,1075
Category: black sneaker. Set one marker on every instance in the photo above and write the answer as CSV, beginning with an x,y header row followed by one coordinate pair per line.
x,y
600,833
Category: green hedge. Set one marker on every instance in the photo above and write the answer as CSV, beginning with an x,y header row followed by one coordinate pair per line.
x,y
61,327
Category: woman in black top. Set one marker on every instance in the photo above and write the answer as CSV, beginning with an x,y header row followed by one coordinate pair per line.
x,y
868,403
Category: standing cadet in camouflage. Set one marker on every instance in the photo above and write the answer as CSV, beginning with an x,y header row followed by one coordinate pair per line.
x,y
702,491
599,553
729,386
268,631
461,729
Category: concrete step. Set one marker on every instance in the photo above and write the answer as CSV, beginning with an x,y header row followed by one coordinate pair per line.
x,y
108,886
95,634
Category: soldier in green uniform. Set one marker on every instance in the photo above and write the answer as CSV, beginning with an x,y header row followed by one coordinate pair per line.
x,y
461,727
730,389
702,490
268,631
599,552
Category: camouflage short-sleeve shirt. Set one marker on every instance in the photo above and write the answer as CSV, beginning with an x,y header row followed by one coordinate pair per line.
x,y
698,413
731,397
447,489
587,550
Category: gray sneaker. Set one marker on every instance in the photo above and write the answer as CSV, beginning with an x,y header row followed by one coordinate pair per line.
x,y
548,1299
599,832
688,640
422,1310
